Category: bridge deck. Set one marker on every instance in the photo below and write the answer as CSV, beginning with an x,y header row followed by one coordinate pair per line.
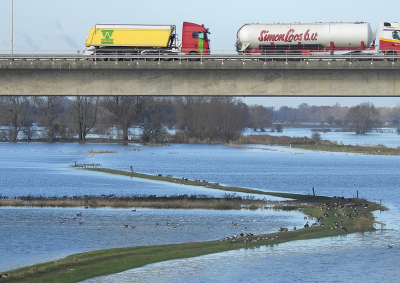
x,y
230,77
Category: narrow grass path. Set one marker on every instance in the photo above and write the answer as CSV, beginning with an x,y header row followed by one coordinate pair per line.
x,y
86,265
201,183
339,216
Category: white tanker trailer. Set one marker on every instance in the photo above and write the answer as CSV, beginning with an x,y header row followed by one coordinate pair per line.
x,y
305,38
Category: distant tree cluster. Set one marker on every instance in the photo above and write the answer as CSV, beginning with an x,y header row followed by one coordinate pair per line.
x,y
210,119
333,115
362,117
260,117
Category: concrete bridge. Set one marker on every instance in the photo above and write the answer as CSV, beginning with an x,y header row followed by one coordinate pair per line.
x,y
220,76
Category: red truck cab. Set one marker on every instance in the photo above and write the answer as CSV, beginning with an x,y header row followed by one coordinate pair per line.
x,y
195,39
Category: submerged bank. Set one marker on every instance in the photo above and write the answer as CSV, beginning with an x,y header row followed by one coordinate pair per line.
x,y
320,145
355,215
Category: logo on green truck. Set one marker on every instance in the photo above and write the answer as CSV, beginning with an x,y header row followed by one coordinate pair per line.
x,y
107,33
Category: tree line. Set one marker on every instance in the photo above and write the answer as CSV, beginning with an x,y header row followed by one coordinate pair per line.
x,y
360,118
198,118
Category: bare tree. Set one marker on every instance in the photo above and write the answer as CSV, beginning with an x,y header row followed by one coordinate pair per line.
x,y
85,117
287,114
330,120
316,136
125,111
362,117
154,133
260,117
51,109
213,118
14,113
160,110
232,117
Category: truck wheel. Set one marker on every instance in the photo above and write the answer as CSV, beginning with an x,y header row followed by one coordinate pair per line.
x,y
125,57
391,55
266,56
280,54
193,53
100,57
152,54
166,57
295,54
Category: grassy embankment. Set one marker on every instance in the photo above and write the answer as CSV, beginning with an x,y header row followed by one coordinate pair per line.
x,y
227,201
96,263
310,144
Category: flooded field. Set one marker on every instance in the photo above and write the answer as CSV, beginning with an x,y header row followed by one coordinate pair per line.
x,y
32,235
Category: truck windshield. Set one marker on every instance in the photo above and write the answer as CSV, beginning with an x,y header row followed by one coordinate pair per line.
x,y
200,34
396,35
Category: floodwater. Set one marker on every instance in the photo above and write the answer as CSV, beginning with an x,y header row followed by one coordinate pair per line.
x,y
30,235
33,235
378,136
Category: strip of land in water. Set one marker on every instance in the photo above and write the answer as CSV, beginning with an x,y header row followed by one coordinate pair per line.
x,y
333,217
321,145
228,201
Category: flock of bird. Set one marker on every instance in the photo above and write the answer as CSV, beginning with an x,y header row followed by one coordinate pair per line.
x,y
80,221
241,235
174,225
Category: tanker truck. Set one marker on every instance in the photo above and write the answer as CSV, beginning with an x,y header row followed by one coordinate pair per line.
x,y
125,39
307,38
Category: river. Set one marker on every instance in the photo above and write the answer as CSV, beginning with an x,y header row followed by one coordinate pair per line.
x,y
33,235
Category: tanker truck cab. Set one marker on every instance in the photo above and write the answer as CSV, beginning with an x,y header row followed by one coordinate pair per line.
x,y
389,41
194,39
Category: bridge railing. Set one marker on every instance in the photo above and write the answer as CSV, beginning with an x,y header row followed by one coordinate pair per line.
x,y
69,55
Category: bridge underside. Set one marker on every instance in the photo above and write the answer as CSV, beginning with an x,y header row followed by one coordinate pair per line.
x,y
195,78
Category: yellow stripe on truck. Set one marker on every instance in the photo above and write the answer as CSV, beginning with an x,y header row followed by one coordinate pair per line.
x,y
389,40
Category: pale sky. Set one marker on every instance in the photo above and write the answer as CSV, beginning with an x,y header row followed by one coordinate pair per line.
x,y
64,25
